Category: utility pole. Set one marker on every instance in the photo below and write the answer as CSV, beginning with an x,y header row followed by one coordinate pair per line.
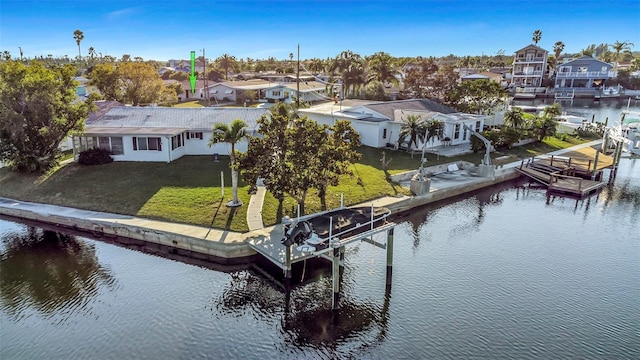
x,y
206,87
298,81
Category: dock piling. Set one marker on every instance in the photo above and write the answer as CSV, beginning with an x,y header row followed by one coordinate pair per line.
x,y
335,272
389,255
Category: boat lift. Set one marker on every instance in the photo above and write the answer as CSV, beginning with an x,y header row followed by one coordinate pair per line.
x,y
284,256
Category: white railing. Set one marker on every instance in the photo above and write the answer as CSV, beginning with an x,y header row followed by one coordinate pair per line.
x,y
527,73
580,74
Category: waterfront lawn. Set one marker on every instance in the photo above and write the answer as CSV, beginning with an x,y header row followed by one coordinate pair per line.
x,y
186,190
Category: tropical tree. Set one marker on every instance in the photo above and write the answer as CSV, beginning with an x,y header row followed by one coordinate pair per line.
x,y
231,134
589,50
38,109
413,128
350,69
296,154
477,96
558,48
514,118
335,157
434,130
552,111
537,35
78,36
382,68
618,47
544,126
226,62
92,54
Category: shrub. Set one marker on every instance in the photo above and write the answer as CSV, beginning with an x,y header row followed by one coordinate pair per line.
x,y
95,156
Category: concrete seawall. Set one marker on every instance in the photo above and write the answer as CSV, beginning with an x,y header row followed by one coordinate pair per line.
x,y
200,242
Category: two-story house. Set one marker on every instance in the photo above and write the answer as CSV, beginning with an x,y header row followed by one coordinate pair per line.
x,y
529,65
582,76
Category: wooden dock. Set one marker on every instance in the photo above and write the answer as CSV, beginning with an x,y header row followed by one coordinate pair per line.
x,y
574,176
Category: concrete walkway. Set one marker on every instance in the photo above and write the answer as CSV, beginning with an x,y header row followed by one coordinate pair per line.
x,y
254,209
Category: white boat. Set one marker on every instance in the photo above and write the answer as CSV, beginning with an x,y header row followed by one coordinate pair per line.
x,y
630,130
569,123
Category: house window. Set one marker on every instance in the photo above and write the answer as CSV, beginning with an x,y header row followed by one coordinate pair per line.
x,y
276,93
604,69
384,133
456,132
194,135
582,69
176,141
464,136
147,143
478,126
110,143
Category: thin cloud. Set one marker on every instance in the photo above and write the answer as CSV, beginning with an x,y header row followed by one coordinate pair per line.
x,y
119,14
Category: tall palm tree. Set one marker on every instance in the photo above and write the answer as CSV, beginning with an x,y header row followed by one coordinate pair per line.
x,y
225,62
618,46
92,53
78,36
435,130
350,67
231,134
544,126
537,35
558,48
414,128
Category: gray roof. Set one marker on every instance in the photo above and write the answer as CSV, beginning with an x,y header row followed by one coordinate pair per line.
x,y
386,108
197,119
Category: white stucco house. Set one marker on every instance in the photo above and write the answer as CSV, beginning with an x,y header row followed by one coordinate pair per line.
x,y
379,123
158,133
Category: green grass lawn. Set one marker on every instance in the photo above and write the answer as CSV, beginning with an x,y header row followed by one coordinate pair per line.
x,y
188,190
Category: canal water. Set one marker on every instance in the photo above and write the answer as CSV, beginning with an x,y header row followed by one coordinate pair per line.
x,y
508,272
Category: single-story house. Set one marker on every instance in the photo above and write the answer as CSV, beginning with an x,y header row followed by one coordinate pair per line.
x,y
379,123
235,90
159,133
310,91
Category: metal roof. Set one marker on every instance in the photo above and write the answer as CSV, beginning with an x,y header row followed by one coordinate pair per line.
x,y
196,119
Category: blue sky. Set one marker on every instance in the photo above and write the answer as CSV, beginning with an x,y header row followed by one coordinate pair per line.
x,y
165,30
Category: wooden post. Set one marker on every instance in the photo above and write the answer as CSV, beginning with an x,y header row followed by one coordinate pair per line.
x,y
287,262
335,272
389,255
595,165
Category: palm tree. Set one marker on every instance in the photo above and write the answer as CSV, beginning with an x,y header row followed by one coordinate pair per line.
x,y
514,118
589,50
558,48
618,46
544,126
92,54
382,68
230,134
414,128
537,35
552,111
350,67
78,36
225,62
435,130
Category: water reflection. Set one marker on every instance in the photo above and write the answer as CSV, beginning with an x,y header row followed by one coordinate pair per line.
x,y
48,272
304,311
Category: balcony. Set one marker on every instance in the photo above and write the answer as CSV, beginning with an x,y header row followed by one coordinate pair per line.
x,y
583,74
539,59
528,73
